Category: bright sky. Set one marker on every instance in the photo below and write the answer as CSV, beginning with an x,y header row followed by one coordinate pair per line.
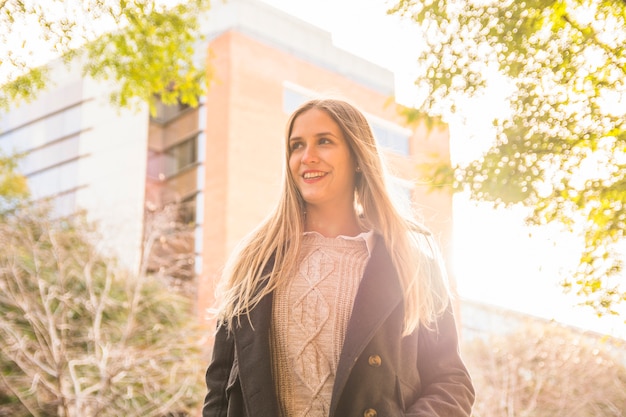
x,y
497,259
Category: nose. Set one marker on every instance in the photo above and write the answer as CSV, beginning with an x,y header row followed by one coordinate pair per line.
x,y
309,155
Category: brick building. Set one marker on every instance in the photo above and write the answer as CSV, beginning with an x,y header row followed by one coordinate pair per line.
x,y
222,160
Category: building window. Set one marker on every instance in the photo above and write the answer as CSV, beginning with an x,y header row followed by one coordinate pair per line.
x,y
51,154
187,210
58,185
54,180
162,165
167,112
391,137
39,133
180,156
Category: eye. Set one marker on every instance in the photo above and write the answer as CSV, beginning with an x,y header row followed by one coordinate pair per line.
x,y
295,145
325,141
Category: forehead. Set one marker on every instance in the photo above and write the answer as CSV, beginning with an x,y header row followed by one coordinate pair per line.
x,y
314,121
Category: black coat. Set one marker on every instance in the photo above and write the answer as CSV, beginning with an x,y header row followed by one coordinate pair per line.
x,y
380,372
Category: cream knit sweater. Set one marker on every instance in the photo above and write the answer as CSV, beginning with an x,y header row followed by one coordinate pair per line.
x,y
310,317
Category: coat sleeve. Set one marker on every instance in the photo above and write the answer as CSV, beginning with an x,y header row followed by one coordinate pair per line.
x,y
447,389
218,373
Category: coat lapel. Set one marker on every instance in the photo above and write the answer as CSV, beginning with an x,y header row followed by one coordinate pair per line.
x,y
252,341
378,295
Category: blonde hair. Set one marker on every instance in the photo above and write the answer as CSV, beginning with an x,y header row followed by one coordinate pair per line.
x,y
267,257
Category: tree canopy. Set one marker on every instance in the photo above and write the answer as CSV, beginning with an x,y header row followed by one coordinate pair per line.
x,y
562,148
146,47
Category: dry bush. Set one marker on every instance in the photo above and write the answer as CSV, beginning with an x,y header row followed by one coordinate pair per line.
x,y
544,370
81,336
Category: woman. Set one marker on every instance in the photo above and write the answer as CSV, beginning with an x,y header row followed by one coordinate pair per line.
x,y
336,305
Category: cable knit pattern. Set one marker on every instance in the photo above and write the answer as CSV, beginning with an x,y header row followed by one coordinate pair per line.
x,y
310,317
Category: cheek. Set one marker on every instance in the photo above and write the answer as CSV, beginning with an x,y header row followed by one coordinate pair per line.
x,y
351,178
350,163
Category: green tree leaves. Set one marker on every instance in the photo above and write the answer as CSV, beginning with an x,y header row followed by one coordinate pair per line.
x,y
144,47
563,149
13,185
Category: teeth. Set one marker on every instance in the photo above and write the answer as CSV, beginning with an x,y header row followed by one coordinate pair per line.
x,y
309,175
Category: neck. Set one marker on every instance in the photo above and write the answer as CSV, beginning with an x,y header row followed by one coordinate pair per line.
x,y
332,223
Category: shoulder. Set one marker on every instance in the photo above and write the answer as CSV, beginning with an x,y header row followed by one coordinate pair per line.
x,y
423,240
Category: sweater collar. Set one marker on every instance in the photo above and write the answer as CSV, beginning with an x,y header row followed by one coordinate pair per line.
x,y
368,237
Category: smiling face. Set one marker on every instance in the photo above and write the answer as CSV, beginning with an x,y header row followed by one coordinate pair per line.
x,y
321,163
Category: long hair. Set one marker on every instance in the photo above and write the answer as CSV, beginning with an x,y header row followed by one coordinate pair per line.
x,y
267,257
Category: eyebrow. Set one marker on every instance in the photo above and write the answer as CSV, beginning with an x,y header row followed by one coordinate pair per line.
x,y
316,135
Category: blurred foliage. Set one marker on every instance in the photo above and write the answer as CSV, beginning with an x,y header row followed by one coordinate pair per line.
x,y
416,117
82,337
562,149
145,47
13,187
546,370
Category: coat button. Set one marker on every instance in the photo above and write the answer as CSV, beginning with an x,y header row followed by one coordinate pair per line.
x,y
370,412
374,361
